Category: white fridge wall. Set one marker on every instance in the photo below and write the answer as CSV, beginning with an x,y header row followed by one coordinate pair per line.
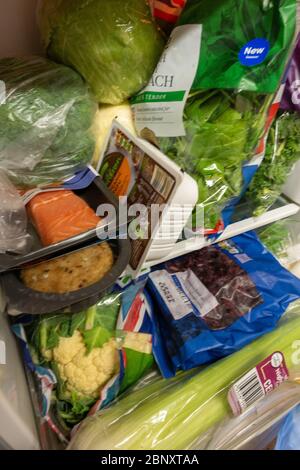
x,y
18,36
17,425
18,30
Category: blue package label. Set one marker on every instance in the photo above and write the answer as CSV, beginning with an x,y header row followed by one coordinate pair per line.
x,y
254,52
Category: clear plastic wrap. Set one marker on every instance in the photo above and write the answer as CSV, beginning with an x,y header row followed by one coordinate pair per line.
x,y
13,219
45,121
289,432
282,239
282,153
257,427
82,361
176,414
114,45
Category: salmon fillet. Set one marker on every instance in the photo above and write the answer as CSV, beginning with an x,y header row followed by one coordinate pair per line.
x,y
58,215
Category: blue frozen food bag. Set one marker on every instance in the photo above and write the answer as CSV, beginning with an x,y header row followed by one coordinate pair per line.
x,y
212,302
289,434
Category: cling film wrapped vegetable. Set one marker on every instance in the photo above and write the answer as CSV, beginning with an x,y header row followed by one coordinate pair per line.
x,y
282,152
45,121
213,125
113,44
174,414
88,358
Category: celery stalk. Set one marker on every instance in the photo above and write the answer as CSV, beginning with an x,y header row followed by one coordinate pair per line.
x,y
172,414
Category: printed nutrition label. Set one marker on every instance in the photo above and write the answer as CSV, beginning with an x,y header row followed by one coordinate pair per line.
x,y
159,107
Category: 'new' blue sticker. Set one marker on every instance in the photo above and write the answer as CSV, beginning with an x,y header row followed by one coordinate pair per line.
x,y
254,52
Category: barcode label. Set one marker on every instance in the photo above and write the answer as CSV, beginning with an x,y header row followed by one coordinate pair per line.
x,y
162,182
260,381
247,390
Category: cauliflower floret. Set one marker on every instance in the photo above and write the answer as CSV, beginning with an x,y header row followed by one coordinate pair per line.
x,y
85,373
140,342
68,348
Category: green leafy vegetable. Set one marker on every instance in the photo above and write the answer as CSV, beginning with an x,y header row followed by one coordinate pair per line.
x,y
222,131
276,237
44,121
114,45
282,152
96,337
228,25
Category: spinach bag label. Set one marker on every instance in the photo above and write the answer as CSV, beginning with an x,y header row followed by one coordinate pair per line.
x,y
254,52
159,107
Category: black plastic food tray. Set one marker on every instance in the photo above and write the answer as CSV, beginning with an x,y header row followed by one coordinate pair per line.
x,y
94,195
21,299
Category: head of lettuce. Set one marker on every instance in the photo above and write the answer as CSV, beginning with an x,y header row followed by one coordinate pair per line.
x,y
114,44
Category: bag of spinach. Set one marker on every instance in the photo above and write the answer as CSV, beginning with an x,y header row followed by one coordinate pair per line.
x,y
209,108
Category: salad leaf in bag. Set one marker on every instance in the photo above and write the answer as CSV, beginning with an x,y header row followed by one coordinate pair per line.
x,y
212,302
211,119
114,45
45,121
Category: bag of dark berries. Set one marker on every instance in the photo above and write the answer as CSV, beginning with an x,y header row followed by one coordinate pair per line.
x,y
212,302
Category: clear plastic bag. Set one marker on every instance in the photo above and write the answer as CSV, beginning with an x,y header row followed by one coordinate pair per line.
x,y
13,219
114,45
289,432
282,153
214,126
45,120
282,239
82,361
177,414
257,427
223,128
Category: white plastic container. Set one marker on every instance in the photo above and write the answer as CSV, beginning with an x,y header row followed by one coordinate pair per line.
x,y
152,173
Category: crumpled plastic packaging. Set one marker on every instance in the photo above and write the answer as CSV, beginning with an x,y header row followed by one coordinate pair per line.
x,y
13,219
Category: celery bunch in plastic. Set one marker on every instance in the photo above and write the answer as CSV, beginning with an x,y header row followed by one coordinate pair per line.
x,y
174,414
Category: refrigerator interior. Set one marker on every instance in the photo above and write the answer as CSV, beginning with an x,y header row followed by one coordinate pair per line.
x,y
19,36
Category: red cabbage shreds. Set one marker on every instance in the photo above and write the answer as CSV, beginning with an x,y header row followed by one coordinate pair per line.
x,y
228,282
